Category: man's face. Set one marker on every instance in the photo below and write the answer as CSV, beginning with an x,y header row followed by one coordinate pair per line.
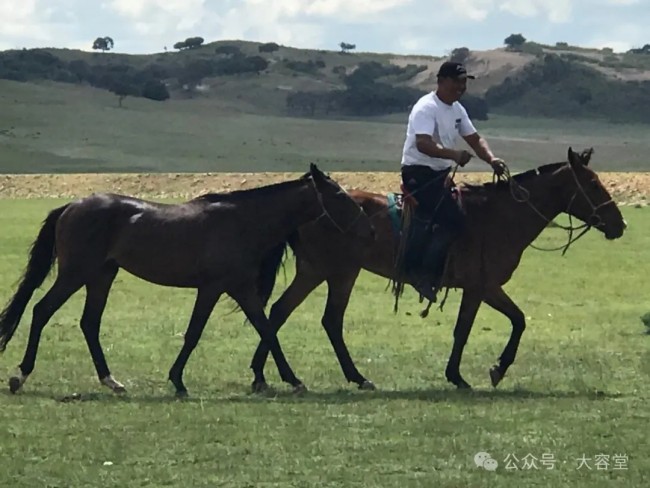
x,y
454,87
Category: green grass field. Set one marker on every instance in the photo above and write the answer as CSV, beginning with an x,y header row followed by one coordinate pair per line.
x,y
55,128
579,386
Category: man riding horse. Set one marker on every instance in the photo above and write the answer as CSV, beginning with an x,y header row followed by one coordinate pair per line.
x,y
434,124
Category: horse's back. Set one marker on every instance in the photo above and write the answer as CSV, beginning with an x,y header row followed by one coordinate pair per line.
x,y
369,201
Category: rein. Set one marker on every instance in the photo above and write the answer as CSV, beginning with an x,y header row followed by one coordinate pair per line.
x,y
329,216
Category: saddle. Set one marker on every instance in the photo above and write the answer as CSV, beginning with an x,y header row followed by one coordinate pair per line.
x,y
401,203
401,209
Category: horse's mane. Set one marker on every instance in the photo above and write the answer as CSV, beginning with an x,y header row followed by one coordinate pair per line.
x,y
261,191
501,185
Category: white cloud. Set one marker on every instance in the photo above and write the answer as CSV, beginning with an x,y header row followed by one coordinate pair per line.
x,y
479,10
137,9
154,17
349,8
621,2
29,23
408,43
268,21
411,25
476,10
620,37
18,18
553,10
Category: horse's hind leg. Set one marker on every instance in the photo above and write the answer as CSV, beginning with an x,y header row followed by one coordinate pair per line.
x,y
338,297
62,289
301,286
96,295
501,302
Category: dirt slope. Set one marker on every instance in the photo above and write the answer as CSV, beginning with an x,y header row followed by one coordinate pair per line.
x,y
626,188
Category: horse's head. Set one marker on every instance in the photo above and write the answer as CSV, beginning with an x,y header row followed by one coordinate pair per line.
x,y
589,200
340,208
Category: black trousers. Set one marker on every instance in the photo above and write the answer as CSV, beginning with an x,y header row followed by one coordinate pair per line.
x,y
435,202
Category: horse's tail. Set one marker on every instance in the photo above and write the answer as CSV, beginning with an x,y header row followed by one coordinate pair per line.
x,y
41,259
268,271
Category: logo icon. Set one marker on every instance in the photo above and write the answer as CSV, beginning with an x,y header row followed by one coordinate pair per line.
x,y
485,461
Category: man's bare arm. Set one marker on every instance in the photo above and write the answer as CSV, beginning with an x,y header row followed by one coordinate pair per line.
x,y
480,147
426,145
483,151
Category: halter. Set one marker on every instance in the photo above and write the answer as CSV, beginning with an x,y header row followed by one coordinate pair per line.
x,y
329,216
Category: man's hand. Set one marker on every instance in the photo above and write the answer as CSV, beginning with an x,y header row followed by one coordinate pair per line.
x,y
498,166
463,157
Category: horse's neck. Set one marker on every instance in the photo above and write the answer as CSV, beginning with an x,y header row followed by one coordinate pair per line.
x,y
304,206
531,218
288,210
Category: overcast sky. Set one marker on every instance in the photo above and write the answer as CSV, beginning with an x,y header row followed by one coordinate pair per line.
x,y
431,27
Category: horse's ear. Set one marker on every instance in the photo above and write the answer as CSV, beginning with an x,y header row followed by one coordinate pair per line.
x,y
316,173
573,158
586,155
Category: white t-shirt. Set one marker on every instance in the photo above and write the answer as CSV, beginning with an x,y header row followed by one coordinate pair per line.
x,y
445,123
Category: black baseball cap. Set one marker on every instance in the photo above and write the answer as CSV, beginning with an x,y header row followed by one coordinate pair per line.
x,y
449,69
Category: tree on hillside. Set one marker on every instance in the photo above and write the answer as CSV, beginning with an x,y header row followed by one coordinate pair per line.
x,y
155,90
460,55
268,47
345,47
194,42
194,72
189,43
103,43
122,90
228,50
514,41
640,50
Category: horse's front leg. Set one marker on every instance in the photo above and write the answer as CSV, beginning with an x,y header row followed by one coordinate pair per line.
x,y
469,306
501,302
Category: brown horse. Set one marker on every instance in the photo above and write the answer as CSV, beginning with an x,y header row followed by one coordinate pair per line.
x,y
229,243
503,219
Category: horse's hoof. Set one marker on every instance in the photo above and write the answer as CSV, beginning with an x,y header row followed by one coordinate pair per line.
x,y
460,383
299,389
182,394
367,385
14,384
259,387
113,384
495,376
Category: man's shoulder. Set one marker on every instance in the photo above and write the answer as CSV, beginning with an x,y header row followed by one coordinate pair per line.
x,y
459,107
426,103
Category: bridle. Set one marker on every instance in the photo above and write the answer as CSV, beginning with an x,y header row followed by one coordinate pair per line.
x,y
328,216
522,195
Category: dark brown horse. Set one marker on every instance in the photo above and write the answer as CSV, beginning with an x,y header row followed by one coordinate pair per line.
x,y
503,219
229,243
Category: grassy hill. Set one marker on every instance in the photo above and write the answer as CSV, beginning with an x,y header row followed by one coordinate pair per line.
x,y
240,122
238,74
51,127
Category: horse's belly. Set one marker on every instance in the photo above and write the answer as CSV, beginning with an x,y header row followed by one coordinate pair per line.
x,y
169,262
